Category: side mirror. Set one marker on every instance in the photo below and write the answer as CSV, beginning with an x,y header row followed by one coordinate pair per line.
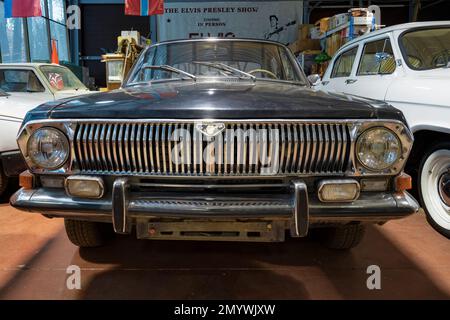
x,y
382,56
314,79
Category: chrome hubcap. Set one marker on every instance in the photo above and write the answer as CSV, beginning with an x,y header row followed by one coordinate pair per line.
x,y
444,187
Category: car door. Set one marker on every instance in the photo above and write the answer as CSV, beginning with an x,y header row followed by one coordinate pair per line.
x,y
376,69
339,71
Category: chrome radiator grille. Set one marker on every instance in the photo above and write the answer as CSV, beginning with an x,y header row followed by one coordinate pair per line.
x,y
154,148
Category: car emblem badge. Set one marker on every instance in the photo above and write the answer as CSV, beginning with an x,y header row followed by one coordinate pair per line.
x,y
210,129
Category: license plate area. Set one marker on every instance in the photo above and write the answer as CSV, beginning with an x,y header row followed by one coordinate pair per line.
x,y
267,231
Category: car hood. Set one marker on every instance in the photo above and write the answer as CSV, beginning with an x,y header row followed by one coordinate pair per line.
x,y
16,105
70,93
240,99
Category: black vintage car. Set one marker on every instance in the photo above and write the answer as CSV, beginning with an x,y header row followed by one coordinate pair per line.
x,y
216,139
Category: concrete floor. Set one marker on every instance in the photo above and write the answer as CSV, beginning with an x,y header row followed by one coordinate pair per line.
x,y
34,255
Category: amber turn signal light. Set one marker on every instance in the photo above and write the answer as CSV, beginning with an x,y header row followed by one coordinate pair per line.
x,y
26,180
403,182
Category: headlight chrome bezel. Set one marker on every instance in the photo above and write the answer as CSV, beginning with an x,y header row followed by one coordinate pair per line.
x,y
386,165
30,128
64,143
405,140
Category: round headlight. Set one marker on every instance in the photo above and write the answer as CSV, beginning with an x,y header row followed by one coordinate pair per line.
x,y
378,148
48,148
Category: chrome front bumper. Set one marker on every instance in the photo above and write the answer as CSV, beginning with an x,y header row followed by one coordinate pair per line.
x,y
300,208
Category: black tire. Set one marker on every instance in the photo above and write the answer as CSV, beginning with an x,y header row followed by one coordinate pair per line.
x,y
343,237
87,234
3,181
441,146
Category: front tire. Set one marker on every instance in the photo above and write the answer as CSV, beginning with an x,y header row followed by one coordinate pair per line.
x,y
87,234
434,187
343,237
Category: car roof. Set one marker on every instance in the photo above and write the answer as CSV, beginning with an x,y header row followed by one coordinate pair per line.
x,y
402,27
28,64
213,39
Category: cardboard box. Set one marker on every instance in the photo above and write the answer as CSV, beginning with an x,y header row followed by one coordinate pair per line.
x,y
304,45
359,12
341,19
303,31
362,20
323,24
314,33
133,34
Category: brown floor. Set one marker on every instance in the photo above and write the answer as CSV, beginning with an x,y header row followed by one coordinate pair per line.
x,y
34,255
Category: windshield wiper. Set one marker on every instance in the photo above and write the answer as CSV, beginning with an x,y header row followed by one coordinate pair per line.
x,y
166,67
225,67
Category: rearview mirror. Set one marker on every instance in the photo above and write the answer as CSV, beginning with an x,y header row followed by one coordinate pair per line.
x,y
314,79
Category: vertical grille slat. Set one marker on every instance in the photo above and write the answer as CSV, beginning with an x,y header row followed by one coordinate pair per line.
x,y
126,146
177,148
151,147
313,148
345,140
332,151
187,149
133,153
295,149
85,147
301,157
157,147
96,147
320,144
169,149
138,148
104,159
78,142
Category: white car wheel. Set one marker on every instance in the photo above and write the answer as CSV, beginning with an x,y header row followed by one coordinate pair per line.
x,y
435,189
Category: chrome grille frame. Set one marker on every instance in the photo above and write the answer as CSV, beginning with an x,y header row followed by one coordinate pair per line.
x,y
131,144
119,147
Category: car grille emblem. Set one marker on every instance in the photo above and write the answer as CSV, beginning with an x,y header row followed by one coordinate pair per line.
x,y
210,129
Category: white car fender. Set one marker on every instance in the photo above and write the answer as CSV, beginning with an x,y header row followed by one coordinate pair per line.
x,y
423,100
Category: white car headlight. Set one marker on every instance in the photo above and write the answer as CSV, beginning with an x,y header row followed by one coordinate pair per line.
x,y
378,148
48,148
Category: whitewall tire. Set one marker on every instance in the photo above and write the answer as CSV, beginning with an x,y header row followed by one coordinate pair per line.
x,y
434,187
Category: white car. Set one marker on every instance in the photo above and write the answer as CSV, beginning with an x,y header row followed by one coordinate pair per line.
x,y
407,66
24,86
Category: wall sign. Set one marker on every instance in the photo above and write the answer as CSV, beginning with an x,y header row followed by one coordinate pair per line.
x,y
240,19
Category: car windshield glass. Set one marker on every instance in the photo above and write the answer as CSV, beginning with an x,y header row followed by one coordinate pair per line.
x,y
227,58
426,49
62,78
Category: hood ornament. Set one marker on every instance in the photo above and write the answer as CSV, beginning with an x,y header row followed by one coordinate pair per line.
x,y
210,129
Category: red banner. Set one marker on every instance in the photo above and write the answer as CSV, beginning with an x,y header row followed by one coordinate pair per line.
x,y
144,7
22,8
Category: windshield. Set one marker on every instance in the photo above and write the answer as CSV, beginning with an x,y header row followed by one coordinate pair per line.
x,y
220,58
426,49
62,78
